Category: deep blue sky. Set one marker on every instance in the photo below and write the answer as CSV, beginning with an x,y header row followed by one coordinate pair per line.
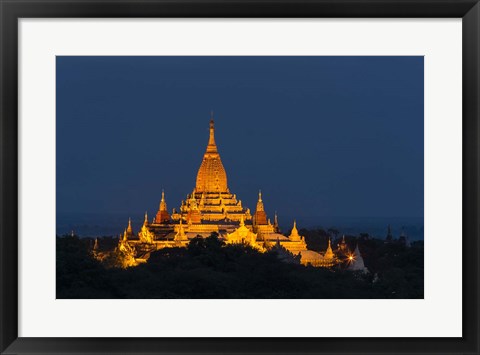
x,y
321,136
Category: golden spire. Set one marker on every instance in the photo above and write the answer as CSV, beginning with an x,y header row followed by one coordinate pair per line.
x,y
212,146
329,252
294,236
163,204
211,176
260,202
145,235
129,228
162,215
242,222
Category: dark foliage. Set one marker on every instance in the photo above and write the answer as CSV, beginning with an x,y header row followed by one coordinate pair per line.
x,y
209,269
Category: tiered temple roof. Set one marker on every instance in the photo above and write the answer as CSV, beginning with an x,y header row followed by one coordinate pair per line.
x,y
212,208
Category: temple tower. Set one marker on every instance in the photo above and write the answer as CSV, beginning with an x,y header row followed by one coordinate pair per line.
x,y
260,216
162,215
211,200
145,235
129,232
329,253
294,235
275,223
211,176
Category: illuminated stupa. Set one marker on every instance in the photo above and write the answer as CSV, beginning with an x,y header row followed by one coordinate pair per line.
x,y
211,195
212,208
356,262
211,177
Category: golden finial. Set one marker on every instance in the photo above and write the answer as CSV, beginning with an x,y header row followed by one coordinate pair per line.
x,y
146,217
163,204
242,222
212,146
129,228
260,202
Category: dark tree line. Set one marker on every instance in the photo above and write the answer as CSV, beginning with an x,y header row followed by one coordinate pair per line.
x,y
209,269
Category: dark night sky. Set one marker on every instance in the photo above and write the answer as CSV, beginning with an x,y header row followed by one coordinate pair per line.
x,y
321,136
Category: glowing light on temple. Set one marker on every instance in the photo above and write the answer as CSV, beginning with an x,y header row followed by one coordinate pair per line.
x,y
350,258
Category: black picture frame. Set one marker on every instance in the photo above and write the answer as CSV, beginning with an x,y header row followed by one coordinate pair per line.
x,y
12,10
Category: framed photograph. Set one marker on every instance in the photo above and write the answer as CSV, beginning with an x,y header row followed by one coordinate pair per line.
x,y
239,177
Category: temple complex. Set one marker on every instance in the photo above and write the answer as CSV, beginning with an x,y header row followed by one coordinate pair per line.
x,y
212,208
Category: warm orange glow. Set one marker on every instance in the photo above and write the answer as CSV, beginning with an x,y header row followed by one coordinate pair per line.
x,y
350,258
212,208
